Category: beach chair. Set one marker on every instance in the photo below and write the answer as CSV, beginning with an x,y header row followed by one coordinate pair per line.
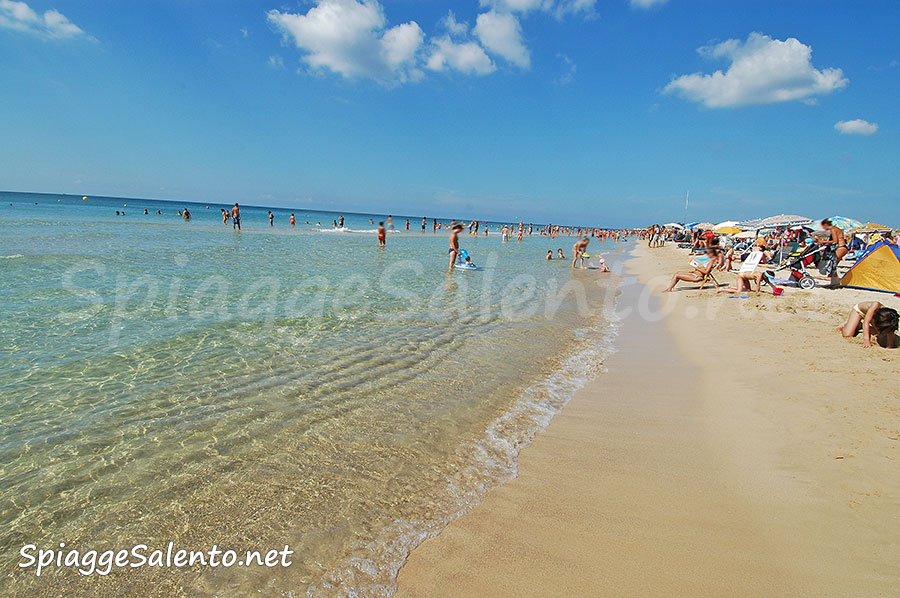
x,y
707,278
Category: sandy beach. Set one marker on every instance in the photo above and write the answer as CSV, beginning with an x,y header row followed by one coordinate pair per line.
x,y
736,446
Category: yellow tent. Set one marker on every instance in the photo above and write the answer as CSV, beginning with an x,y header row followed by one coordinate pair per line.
x,y
878,269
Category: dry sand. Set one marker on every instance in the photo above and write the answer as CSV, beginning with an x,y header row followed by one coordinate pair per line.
x,y
736,447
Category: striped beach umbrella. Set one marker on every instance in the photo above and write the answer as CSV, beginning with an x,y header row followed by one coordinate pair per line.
x,y
783,220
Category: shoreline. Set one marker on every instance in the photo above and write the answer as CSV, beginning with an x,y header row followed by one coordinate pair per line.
x,y
733,485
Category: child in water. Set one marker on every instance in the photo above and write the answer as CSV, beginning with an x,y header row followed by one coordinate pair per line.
x,y
868,317
549,254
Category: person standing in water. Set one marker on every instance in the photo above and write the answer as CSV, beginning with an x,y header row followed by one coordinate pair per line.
x,y
293,221
271,218
579,248
454,244
341,222
381,235
424,222
407,225
235,217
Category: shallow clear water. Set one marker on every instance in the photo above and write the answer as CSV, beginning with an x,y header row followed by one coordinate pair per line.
x,y
169,380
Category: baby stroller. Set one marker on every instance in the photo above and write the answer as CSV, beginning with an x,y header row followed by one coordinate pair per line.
x,y
821,257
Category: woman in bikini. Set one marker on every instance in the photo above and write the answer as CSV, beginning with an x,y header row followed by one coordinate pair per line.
x,y
837,237
871,317
698,273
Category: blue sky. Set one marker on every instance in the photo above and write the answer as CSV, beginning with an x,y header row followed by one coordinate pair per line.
x,y
565,110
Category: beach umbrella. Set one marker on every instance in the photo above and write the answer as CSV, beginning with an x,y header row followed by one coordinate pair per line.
x,y
727,224
747,234
692,225
706,226
727,230
845,223
752,223
873,226
673,225
783,220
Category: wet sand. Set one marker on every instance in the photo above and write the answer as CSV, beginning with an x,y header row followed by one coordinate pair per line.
x,y
735,447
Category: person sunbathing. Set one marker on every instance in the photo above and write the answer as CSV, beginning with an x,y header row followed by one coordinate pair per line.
x,y
697,274
871,317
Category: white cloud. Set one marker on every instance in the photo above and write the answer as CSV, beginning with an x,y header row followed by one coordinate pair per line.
x,y
244,32
18,16
558,8
350,37
645,4
501,34
568,75
856,127
456,50
276,62
762,71
466,57
453,26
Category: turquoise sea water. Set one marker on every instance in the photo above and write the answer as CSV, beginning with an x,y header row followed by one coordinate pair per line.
x,y
178,381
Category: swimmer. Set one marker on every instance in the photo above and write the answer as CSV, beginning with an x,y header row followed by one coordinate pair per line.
x,y
382,236
549,254
559,254
293,221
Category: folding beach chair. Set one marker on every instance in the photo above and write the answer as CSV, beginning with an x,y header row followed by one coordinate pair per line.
x,y
707,278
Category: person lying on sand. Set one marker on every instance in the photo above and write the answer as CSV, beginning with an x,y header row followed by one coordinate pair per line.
x,y
869,317
697,274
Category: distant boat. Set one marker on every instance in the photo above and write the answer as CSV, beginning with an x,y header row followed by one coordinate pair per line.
x,y
84,198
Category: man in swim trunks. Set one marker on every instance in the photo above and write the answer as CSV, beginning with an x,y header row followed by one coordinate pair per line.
x,y
381,234
578,249
424,221
235,217
454,244
271,218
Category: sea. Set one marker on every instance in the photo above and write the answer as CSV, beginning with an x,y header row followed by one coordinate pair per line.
x,y
170,381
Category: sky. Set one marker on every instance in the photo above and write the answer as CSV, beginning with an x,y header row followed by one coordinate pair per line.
x,y
587,112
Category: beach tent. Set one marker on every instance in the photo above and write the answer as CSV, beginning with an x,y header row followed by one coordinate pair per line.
x,y
878,269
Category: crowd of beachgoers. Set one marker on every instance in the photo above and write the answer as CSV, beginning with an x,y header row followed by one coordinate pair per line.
x,y
809,254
